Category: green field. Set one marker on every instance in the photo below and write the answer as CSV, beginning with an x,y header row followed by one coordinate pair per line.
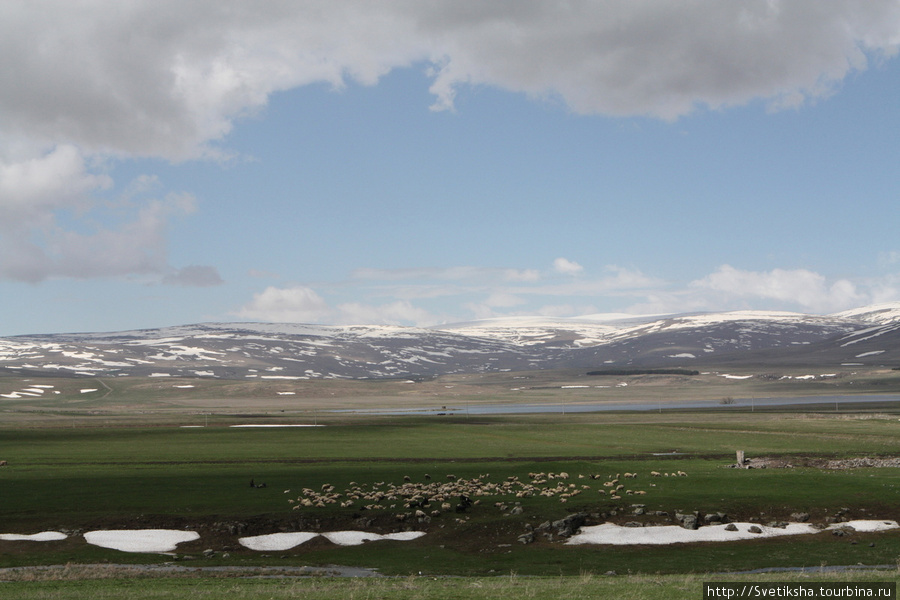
x,y
99,465
120,584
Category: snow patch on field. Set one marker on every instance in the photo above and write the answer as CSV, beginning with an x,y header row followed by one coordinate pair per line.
x,y
273,425
276,541
32,391
44,536
610,533
286,541
140,540
355,538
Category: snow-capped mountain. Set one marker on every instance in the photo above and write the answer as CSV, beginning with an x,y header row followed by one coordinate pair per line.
x,y
878,314
869,335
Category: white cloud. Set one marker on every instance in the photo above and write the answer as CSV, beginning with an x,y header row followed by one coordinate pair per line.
x,y
521,275
54,225
194,276
618,280
426,296
504,300
565,310
458,273
889,258
487,307
658,58
42,248
399,312
806,289
470,281
301,304
166,78
564,265
297,304
84,82
621,290
32,188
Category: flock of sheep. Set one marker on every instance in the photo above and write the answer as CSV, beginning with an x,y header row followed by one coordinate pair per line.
x,y
423,500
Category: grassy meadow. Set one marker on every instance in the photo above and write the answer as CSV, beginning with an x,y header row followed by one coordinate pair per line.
x,y
81,463
120,584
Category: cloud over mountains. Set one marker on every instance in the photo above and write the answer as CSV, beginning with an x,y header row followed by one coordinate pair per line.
x,y
87,84
166,78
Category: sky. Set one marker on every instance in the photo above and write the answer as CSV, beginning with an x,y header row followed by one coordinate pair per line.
x,y
418,163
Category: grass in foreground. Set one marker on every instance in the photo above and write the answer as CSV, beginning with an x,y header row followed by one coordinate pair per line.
x,y
124,477
112,585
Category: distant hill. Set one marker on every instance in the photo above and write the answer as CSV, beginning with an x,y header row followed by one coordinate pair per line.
x,y
864,336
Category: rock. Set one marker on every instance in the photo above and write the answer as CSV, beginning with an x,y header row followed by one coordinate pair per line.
x,y
800,517
638,512
209,553
544,526
570,525
526,538
731,527
633,524
716,518
688,521
517,510
754,529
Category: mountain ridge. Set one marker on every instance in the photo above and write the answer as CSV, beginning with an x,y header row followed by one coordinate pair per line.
x,y
865,335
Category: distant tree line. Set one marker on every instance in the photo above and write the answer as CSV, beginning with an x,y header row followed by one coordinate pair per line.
x,y
620,372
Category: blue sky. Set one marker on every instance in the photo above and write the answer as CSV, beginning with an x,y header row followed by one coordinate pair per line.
x,y
409,163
